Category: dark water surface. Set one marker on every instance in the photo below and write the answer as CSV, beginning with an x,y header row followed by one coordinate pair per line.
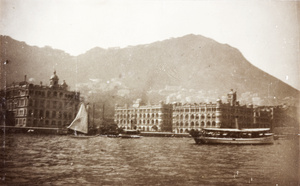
x,y
62,160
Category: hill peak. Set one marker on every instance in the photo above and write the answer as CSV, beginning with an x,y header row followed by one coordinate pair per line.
x,y
191,62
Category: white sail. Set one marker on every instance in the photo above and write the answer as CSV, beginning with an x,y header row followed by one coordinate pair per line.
x,y
80,123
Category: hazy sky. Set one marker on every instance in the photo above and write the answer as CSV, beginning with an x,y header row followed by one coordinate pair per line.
x,y
265,31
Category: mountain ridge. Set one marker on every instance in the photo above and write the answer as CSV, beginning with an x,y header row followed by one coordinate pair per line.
x,y
191,61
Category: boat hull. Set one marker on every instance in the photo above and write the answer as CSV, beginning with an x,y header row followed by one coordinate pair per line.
x,y
234,141
83,136
129,136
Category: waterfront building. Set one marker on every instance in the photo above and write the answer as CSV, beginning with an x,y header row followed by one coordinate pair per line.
x,y
144,117
52,106
187,117
285,118
263,117
194,116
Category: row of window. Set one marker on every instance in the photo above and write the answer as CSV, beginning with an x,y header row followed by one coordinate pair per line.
x,y
52,104
196,124
11,104
53,123
21,92
53,94
138,115
41,114
147,122
38,123
178,111
138,111
194,116
10,93
230,110
41,103
50,114
207,109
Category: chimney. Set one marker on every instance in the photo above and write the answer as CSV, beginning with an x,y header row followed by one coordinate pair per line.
x,y
25,78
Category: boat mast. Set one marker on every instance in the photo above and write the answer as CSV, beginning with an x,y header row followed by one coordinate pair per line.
x,y
88,116
93,115
237,122
103,107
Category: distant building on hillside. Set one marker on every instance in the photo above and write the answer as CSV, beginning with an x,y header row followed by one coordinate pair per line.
x,y
52,106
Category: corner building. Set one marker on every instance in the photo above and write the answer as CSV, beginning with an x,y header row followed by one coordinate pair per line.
x,y
187,117
52,106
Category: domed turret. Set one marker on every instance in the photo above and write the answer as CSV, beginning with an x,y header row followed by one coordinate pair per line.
x,y
231,97
64,85
54,80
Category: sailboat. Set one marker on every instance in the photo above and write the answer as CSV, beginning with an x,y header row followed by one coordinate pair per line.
x,y
81,123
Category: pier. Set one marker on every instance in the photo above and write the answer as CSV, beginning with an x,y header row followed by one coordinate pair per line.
x,y
164,134
40,130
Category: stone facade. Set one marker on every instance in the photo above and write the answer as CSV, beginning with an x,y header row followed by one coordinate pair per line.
x,y
32,105
145,117
182,118
231,114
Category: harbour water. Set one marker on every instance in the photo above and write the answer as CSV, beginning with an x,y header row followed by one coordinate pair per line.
x,y
62,160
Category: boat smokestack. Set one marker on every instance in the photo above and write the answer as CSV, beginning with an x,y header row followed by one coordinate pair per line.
x,y
237,123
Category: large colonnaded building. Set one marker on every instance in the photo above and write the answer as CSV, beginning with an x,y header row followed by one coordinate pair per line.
x,y
182,118
52,106
144,117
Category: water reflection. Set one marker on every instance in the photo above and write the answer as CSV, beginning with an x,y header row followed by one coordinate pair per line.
x,y
57,160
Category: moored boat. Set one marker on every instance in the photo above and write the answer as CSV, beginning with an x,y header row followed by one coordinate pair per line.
x,y
130,134
235,136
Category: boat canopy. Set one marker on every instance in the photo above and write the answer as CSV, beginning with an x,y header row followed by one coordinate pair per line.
x,y
130,132
237,130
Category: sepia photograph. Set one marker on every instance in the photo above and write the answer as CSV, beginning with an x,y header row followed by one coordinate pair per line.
x,y
149,92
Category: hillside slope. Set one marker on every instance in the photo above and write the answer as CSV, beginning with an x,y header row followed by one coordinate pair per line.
x,y
191,61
